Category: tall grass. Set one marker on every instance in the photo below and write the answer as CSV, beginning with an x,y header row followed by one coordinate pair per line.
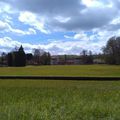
x,y
59,100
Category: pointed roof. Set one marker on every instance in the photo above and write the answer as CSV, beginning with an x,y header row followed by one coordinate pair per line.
x,y
21,48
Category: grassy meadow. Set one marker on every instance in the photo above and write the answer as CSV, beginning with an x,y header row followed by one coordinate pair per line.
x,y
60,100
65,70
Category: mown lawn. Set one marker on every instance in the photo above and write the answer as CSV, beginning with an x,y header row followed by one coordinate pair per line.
x,y
59,100
81,70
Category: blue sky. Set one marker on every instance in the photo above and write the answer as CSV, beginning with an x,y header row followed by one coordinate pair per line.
x,y
58,26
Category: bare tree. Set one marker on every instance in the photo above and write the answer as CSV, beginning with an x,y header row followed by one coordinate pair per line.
x,y
41,57
3,58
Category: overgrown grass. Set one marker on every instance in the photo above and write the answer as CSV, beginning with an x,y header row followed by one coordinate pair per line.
x,y
81,70
59,100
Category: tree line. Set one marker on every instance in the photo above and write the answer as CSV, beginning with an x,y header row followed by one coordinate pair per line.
x,y
110,52
18,57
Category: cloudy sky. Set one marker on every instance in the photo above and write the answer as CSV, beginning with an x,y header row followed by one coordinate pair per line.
x,y
58,26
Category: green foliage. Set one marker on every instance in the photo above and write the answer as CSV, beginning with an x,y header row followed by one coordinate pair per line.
x,y
112,51
59,100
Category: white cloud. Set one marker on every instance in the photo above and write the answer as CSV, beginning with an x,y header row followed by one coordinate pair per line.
x,y
91,3
55,47
7,18
4,7
96,3
115,21
30,31
34,21
68,37
81,36
65,14
78,36
8,42
98,17
5,27
62,19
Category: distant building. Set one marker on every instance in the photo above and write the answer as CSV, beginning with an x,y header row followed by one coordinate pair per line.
x,y
98,61
58,60
54,60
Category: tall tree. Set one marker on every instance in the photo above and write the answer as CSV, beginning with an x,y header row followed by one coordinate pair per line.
x,y
41,57
21,56
112,51
37,53
87,57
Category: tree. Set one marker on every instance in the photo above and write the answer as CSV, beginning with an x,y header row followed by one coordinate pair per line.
x,y
65,58
10,59
3,58
29,56
87,57
41,57
90,58
17,58
37,54
84,57
112,51
21,57
48,58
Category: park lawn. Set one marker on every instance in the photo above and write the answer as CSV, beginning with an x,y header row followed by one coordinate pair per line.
x,y
59,100
63,70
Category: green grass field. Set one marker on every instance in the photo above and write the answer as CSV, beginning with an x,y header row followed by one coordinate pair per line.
x,y
59,100
81,70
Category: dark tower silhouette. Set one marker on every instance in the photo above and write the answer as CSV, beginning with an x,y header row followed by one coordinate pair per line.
x,y
17,58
